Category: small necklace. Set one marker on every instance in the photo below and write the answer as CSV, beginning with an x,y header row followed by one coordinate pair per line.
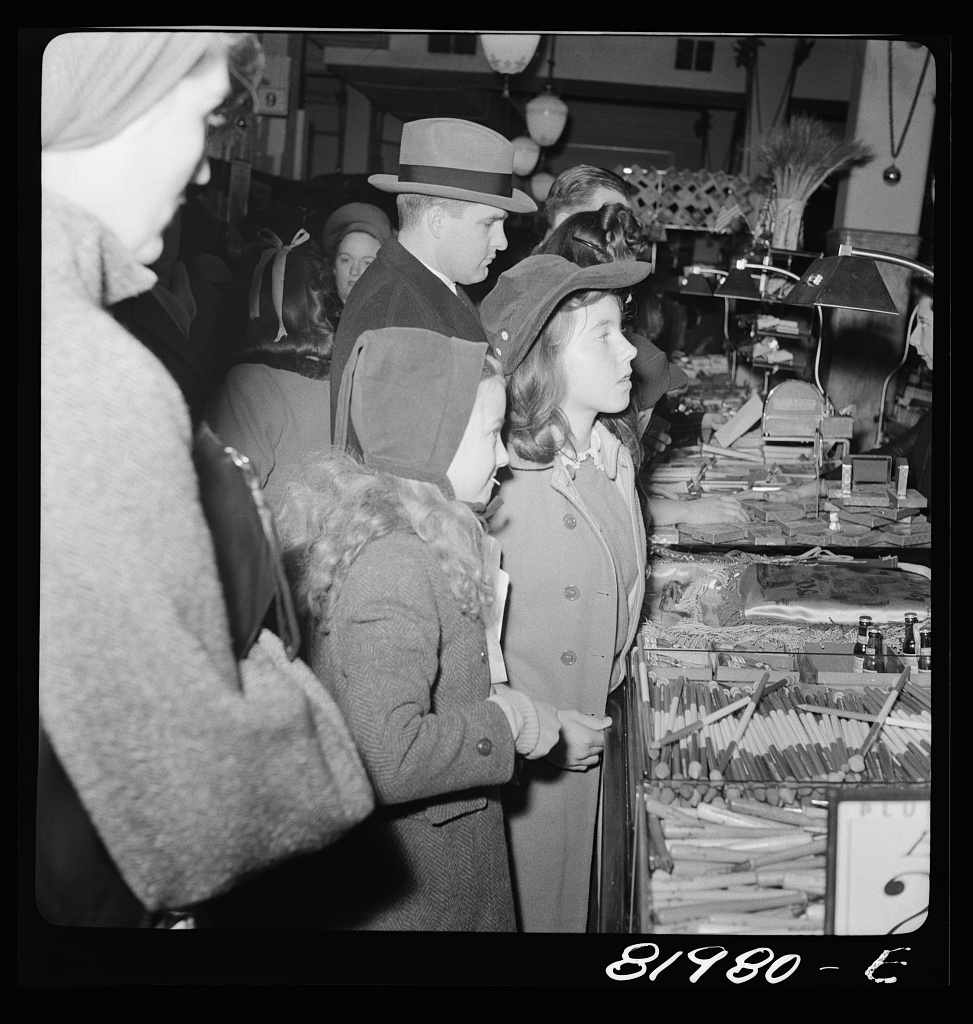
x,y
892,175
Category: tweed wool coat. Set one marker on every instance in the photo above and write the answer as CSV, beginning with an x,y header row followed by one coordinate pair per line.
x,y
410,672
196,771
396,290
559,645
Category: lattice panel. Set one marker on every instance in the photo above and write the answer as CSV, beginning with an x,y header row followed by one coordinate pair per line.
x,y
697,200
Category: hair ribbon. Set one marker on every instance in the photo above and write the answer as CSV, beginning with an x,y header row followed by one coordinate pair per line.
x,y
279,253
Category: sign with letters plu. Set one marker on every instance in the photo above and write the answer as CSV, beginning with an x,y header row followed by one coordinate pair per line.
x,y
878,862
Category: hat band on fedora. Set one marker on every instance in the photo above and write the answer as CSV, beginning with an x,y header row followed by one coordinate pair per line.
x,y
487,182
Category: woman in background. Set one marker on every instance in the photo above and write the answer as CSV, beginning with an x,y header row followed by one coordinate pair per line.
x,y
275,404
352,236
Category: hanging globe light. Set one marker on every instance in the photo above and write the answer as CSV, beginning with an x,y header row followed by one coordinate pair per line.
x,y
547,114
540,185
526,152
508,53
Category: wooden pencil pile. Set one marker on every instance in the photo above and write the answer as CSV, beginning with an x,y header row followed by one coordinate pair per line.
x,y
734,782
735,867
796,741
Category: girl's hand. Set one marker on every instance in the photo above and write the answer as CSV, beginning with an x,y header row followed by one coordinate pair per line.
x,y
550,730
582,740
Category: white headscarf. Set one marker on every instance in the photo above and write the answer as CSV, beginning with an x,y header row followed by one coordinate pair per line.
x,y
94,84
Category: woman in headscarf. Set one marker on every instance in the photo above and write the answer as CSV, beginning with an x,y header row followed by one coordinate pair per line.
x,y
169,770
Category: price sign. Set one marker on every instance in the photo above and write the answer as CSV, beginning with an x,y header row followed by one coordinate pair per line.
x,y
271,102
878,863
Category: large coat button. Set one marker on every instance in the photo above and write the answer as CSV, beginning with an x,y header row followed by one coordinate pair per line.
x,y
572,593
568,657
483,655
484,747
570,522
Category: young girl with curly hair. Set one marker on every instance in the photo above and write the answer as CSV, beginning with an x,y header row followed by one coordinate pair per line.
x,y
401,585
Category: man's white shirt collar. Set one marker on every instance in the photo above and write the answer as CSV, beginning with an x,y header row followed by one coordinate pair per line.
x,y
451,285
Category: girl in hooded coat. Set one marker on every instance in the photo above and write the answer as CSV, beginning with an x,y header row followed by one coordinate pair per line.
x,y
399,580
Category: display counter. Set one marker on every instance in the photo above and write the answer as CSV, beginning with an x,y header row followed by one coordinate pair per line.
x,y
785,457
740,760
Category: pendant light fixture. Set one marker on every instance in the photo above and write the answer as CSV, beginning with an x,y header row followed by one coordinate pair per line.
x,y
547,113
526,152
508,53
540,185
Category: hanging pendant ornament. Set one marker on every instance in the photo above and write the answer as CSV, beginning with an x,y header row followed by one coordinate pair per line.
x,y
892,175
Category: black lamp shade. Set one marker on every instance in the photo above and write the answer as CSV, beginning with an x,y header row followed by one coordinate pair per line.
x,y
695,284
739,284
847,282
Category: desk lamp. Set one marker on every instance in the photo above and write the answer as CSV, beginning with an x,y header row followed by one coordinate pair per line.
x,y
739,283
693,281
851,280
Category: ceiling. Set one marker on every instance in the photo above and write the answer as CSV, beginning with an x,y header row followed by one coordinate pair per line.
x,y
606,115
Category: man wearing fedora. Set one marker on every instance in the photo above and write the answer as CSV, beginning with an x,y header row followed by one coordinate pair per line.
x,y
454,191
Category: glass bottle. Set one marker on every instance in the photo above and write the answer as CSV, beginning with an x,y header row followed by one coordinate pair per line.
x,y
925,650
873,661
910,655
858,654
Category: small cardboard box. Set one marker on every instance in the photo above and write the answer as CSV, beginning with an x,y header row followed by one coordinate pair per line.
x,y
834,666
780,666
868,539
716,533
837,427
780,512
767,534
809,525
848,531
906,540
670,663
865,496
913,499
869,519
836,503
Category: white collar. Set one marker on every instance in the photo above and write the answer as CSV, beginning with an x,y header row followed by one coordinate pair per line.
x,y
604,451
593,452
451,285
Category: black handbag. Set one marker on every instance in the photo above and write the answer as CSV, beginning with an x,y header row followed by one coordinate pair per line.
x,y
246,544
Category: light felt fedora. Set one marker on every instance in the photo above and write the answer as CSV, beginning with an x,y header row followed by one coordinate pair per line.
x,y
454,159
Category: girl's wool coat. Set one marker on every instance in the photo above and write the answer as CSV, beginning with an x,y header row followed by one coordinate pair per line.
x,y
410,673
559,645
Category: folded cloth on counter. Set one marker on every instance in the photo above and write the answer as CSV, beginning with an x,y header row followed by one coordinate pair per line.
x,y
825,592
